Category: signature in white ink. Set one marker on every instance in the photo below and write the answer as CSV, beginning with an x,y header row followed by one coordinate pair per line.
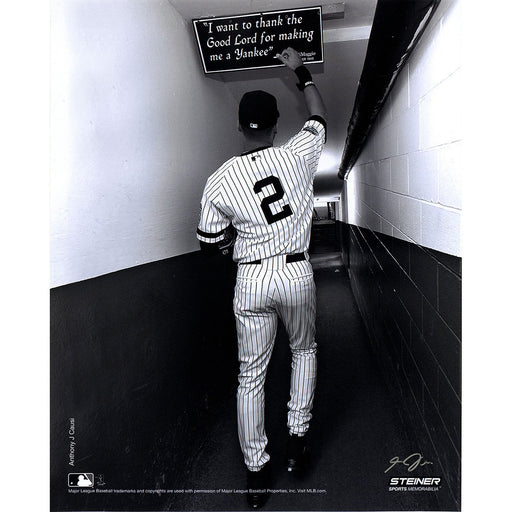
x,y
412,462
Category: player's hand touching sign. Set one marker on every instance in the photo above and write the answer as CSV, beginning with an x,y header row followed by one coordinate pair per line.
x,y
290,58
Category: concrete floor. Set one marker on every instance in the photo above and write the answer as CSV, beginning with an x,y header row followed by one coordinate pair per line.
x,y
354,433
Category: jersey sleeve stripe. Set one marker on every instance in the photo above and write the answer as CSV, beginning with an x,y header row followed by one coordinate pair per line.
x,y
322,121
209,235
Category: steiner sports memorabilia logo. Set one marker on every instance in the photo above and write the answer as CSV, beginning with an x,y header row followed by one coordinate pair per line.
x,y
412,483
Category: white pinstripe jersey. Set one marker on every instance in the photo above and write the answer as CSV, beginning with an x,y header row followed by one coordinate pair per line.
x,y
267,195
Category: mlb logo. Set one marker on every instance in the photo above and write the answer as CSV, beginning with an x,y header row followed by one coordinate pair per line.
x,y
80,479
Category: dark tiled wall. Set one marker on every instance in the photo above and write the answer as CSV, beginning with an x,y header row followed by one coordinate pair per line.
x,y
410,300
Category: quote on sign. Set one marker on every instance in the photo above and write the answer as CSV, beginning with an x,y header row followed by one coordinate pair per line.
x,y
252,40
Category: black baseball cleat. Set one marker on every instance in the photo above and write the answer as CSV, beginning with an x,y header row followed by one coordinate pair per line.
x,y
296,453
258,483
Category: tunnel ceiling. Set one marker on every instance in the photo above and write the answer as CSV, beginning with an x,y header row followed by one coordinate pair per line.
x,y
345,44
358,12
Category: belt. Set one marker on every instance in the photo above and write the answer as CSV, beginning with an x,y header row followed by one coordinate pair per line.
x,y
290,258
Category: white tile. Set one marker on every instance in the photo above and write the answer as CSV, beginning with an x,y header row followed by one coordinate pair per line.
x,y
370,219
351,198
438,53
356,219
367,152
384,174
441,113
410,218
385,116
370,173
367,195
423,175
387,227
398,234
387,206
337,210
385,143
440,229
451,39
357,174
400,92
399,174
450,175
408,132
423,72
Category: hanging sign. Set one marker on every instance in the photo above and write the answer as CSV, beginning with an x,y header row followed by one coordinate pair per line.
x,y
251,41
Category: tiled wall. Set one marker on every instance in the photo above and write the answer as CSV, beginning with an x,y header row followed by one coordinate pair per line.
x,y
410,301
407,180
401,241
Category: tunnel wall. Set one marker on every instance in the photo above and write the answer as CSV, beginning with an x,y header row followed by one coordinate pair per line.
x,y
407,180
401,233
132,138
117,341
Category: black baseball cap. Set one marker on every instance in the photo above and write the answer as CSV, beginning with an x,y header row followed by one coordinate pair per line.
x,y
258,110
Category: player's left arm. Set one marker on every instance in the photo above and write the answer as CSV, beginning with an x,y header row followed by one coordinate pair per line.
x,y
223,245
215,232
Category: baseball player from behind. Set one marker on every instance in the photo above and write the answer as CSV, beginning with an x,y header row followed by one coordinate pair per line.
x,y
266,195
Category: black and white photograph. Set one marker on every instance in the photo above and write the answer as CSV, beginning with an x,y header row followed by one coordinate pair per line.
x,y
255,255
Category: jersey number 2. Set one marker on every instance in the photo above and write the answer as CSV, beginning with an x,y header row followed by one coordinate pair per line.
x,y
273,198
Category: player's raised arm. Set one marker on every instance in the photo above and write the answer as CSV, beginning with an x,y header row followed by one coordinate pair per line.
x,y
314,103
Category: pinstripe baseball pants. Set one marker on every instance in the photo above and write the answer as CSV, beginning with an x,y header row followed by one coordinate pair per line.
x,y
263,292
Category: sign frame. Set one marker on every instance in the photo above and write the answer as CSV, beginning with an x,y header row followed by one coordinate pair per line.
x,y
196,21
